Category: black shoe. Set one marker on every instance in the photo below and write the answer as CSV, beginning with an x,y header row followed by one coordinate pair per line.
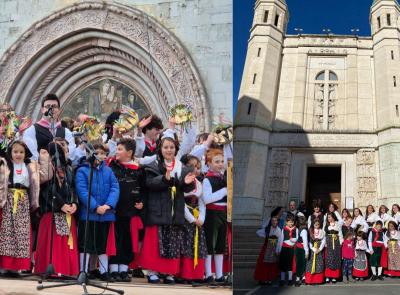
x,y
208,280
105,277
154,281
333,281
124,277
94,274
115,276
11,274
281,283
220,281
373,278
298,283
137,273
290,283
380,278
181,281
169,280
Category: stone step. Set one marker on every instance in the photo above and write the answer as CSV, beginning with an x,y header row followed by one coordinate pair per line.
x,y
250,265
246,251
247,245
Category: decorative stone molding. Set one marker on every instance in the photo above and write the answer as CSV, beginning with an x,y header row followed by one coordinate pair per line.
x,y
366,177
278,177
101,34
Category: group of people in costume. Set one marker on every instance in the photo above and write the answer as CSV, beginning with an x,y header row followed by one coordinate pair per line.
x,y
157,202
327,247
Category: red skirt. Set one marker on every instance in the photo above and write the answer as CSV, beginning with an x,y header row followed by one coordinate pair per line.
x,y
392,273
150,256
265,271
360,273
189,272
65,260
317,278
332,273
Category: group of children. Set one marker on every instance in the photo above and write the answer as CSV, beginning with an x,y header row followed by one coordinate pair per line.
x,y
330,247
154,205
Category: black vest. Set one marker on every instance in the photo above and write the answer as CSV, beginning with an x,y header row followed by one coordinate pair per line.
x,y
44,136
218,183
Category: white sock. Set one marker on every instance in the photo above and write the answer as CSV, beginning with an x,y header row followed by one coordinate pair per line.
x,y
373,268
219,263
208,266
379,271
282,276
93,262
113,267
103,261
290,275
122,268
81,258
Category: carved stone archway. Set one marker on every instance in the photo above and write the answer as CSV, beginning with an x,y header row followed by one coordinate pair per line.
x,y
82,43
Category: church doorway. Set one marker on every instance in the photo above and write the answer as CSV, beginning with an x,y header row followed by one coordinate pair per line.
x,y
323,183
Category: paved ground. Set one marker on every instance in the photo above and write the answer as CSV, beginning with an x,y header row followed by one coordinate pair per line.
x,y
138,286
387,287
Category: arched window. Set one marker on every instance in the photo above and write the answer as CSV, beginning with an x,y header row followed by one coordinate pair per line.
x,y
326,83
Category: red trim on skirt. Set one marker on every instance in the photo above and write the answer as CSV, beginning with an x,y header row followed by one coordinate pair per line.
x,y
150,257
65,260
392,273
317,278
332,273
187,270
360,273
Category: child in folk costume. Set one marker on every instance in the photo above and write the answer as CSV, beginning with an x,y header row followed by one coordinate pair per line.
x,y
371,216
347,220
392,242
315,263
129,216
359,222
286,245
19,196
396,213
317,214
103,201
334,240
360,266
348,252
58,205
301,249
166,182
376,245
333,208
215,226
194,248
267,263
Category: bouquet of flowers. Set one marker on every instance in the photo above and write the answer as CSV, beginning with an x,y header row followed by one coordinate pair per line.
x,y
92,128
223,134
10,125
182,115
127,121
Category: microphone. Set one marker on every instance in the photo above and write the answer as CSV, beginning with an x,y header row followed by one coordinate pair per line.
x,y
49,112
78,134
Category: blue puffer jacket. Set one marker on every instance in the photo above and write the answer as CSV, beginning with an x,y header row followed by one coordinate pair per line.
x,y
105,190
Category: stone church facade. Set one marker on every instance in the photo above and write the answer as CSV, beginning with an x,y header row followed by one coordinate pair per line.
x,y
318,115
163,52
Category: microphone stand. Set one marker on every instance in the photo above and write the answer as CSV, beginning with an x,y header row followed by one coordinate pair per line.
x,y
82,278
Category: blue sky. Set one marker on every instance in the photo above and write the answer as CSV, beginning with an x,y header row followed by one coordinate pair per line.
x,y
340,16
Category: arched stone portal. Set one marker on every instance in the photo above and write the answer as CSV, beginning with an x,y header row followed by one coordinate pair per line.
x,y
84,43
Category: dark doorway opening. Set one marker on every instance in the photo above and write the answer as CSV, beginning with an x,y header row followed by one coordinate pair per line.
x,y
323,183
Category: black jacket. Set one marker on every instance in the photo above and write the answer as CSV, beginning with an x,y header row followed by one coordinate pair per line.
x,y
159,201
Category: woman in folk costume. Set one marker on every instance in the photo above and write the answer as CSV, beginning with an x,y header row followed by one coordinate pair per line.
x,y
315,264
166,181
333,208
317,214
360,266
384,216
396,213
129,213
392,243
63,252
301,249
19,196
376,245
347,221
359,222
267,269
194,248
371,216
286,245
334,240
